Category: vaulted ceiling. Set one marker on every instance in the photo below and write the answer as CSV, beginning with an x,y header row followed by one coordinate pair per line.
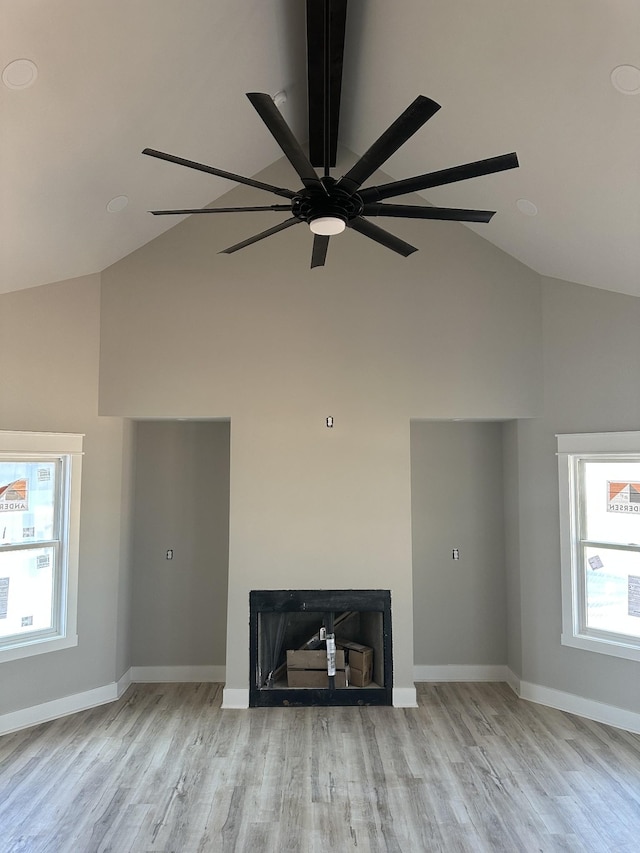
x,y
115,76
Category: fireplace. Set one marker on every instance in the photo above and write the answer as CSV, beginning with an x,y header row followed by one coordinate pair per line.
x,y
320,647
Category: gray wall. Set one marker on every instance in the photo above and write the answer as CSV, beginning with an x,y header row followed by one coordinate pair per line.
x,y
457,502
181,502
454,331
49,383
371,339
125,567
591,385
511,494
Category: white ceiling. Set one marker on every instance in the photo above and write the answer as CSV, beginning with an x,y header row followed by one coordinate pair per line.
x,y
115,76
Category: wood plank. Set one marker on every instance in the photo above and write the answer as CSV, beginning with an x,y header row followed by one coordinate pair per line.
x,y
473,768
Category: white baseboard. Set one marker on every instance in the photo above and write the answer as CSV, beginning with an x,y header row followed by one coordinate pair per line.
x,y
457,672
235,698
404,697
513,681
589,708
36,714
124,683
178,674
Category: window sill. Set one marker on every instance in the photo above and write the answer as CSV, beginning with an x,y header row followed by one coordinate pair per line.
x,y
602,645
37,647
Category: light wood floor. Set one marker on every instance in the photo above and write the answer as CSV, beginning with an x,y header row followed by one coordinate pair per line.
x,y
472,769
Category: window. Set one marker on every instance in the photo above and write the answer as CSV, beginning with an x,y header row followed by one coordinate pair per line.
x,y
599,478
39,524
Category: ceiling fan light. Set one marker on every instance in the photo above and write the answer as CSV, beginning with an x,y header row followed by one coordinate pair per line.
x,y
327,226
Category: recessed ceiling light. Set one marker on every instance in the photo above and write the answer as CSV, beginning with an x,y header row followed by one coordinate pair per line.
x,y
626,79
19,74
527,207
117,204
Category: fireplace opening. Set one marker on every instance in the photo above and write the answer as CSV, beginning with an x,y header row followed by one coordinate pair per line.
x,y
320,647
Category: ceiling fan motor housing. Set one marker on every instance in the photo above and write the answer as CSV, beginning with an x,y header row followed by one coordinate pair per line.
x,y
310,204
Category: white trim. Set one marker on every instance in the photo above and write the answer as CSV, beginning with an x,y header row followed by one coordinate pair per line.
x,y
595,643
589,708
41,442
236,698
460,672
599,442
177,674
37,714
67,447
572,450
38,647
567,537
405,697
513,681
123,683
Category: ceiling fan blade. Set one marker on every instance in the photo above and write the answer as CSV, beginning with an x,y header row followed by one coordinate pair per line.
x,y
286,224
278,207
319,253
381,236
230,176
326,24
282,134
402,129
444,176
415,211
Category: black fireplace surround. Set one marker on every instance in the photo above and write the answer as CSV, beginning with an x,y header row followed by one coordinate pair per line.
x,y
281,620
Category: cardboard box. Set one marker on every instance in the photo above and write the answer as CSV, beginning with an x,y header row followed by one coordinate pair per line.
x,y
315,678
304,659
309,669
360,678
360,661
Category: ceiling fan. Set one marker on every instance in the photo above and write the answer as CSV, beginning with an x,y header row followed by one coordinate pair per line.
x,y
328,205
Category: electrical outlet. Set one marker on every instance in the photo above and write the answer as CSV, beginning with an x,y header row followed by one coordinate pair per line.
x,y
455,554
169,553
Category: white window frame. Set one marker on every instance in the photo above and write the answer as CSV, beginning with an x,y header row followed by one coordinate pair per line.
x,y
68,448
571,449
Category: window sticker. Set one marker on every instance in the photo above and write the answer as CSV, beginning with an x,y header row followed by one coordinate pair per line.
x,y
623,497
4,597
14,496
595,562
634,595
